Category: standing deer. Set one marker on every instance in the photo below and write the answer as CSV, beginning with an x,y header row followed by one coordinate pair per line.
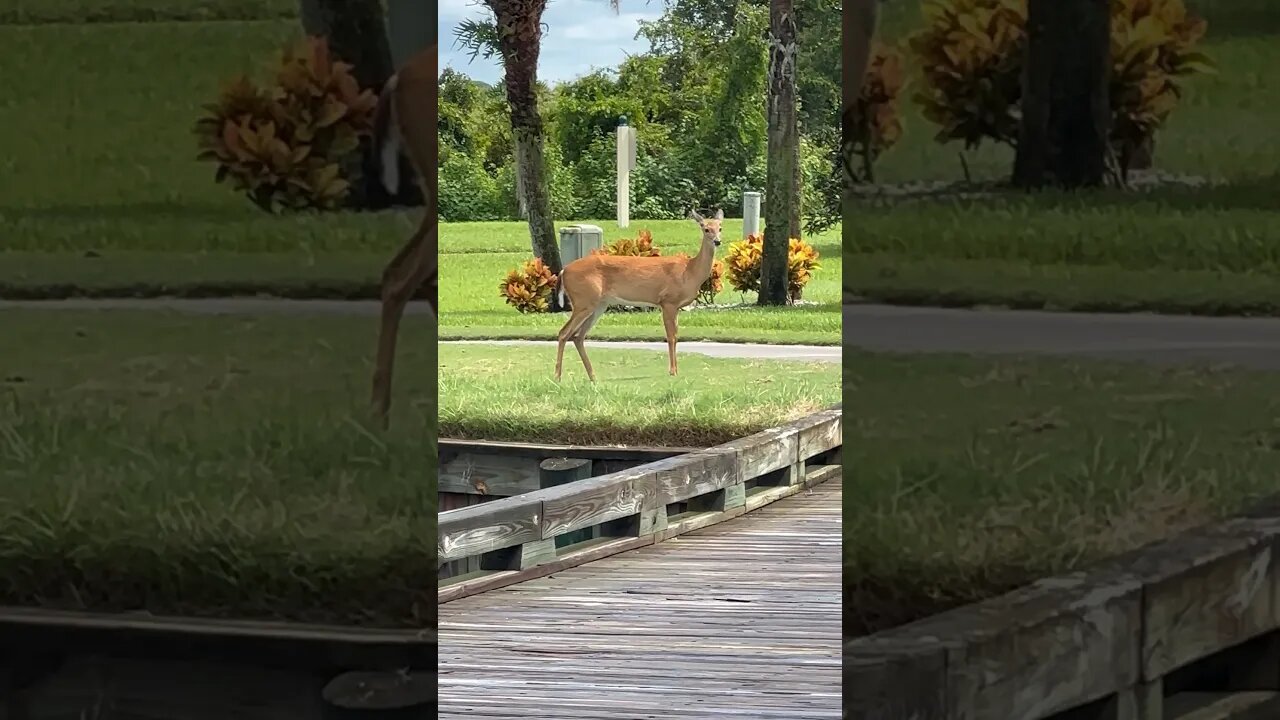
x,y
595,282
406,117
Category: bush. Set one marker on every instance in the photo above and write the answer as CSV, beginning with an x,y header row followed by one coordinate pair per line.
x,y
528,289
877,122
640,246
713,284
971,53
1151,50
743,265
468,192
286,146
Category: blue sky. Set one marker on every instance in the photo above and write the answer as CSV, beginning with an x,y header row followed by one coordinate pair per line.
x,y
579,35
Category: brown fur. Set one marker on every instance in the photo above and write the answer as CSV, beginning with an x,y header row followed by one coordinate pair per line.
x,y
594,282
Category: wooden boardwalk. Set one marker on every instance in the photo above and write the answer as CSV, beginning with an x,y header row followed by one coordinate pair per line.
x,y
738,620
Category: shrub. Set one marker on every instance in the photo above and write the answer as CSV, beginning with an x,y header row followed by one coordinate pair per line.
x,y
743,265
468,192
877,122
528,289
713,284
1151,51
640,246
286,146
971,53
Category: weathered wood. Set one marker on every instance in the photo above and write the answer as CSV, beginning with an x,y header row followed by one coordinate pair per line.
x,y
449,447
822,432
698,473
559,471
740,620
1206,591
501,475
489,526
1223,706
765,451
290,645
894,678
591,502
573,558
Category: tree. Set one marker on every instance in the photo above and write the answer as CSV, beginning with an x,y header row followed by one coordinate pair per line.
x,y
1063,136
783,137
858,30
356,31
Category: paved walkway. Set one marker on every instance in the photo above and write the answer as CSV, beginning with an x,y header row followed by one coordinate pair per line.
x,y
1249,342
739,620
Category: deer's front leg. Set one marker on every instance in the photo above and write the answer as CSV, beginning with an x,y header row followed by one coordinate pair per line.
x,y
669,314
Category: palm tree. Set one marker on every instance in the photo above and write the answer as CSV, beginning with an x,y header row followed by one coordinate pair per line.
x,y
516,35
784,138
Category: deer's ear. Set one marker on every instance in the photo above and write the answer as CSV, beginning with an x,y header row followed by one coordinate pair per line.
x,y
720,213
694,216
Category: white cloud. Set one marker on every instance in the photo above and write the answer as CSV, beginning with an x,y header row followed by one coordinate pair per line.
x,y
580,35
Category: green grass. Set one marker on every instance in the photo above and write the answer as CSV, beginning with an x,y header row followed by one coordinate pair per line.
x,y
1221,131
503,393
118,177
966,478
96,11
476,256
215,467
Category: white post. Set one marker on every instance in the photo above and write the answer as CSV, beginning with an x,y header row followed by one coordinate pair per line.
x,y
750,213
626,163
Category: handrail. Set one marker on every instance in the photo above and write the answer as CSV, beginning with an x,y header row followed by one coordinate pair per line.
x,y
1111,637
515,537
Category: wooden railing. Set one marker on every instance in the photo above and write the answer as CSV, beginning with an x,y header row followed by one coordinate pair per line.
x,y
515,538
1187,628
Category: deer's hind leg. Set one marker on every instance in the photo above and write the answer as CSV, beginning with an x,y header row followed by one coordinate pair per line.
x,y
579,339
405,274
580,318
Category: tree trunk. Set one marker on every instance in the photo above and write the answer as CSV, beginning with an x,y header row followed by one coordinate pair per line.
x,y
797,190
357,34
779,192
520,35
1065,108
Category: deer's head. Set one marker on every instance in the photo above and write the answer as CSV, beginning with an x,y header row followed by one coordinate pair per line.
x,y
710,228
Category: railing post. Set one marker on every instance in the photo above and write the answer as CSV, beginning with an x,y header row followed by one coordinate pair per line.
x,y
558,471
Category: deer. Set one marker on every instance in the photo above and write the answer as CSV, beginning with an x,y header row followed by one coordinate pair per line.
x,y
405,117
598,281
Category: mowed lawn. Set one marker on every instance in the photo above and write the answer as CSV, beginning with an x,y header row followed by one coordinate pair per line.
x,y
475,258
965,478
1207,250
102,188
215,466
495,392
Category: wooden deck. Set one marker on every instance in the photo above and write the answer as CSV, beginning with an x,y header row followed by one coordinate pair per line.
x,y
739,620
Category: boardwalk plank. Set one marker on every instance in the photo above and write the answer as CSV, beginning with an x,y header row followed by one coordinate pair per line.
x,y
738,620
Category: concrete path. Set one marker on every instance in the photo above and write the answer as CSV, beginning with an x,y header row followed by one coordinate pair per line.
x,y
1248,342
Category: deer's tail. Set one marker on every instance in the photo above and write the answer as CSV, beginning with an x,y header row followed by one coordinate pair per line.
x,y
560,289
386,137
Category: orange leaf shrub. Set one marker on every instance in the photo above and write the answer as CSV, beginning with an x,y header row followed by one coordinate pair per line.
x,y
528,288
285,145
743,265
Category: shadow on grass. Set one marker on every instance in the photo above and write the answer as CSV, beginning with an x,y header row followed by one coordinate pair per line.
x,y
146,211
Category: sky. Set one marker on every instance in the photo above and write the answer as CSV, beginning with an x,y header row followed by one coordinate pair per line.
x,y
579,36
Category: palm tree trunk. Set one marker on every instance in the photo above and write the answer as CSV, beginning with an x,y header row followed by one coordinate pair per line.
x,y
520,35
779,190
1066,111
